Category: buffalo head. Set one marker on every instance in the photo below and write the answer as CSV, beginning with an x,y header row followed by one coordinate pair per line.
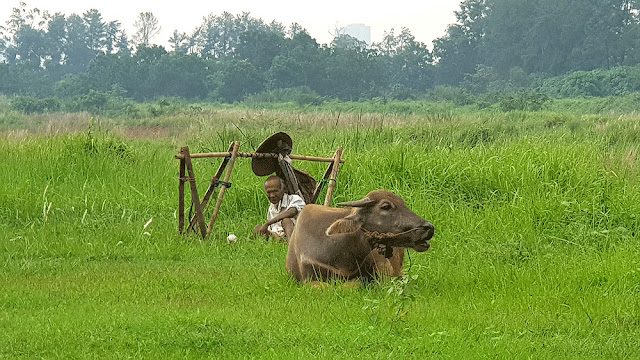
x,y
385,220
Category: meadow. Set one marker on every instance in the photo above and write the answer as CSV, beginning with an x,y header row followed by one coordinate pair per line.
x,y
535,254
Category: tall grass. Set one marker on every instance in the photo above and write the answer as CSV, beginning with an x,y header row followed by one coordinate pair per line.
x,y
535,253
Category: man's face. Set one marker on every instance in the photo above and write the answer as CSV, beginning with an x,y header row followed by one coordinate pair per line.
x,y
274,191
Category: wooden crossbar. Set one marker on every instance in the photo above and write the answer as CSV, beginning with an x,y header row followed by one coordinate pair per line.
x,y
258,155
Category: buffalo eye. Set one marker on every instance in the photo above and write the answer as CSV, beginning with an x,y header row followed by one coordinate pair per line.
x,y
386,206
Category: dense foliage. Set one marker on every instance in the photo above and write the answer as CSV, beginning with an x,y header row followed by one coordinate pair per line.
x,y
562,48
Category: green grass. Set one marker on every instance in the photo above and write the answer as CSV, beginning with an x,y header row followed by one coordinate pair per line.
x,y
535,254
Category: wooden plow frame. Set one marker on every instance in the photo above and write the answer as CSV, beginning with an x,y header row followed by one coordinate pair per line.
x,y
230,157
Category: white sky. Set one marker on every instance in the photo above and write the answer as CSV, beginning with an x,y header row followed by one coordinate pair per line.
x,y
427,19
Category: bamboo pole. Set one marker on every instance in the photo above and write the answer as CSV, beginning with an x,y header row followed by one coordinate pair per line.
x,y
321,183
181,196
258,155
195,199
214,183
223,189
337,159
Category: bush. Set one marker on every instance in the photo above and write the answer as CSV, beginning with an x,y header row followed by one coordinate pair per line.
x,y
302,96
457,96
617,81
93,102
400,92
524,101
29,104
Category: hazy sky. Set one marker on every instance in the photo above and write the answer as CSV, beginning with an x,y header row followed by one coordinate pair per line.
x,y
427,19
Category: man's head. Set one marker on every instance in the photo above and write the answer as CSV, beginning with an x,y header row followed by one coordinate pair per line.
x,y
274,187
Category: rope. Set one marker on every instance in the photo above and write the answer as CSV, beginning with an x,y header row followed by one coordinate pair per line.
x,y
326,181
323,183
383,236
377,238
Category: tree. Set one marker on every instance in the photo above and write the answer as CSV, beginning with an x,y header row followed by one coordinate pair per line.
x,y
260,47
96,34
181,43
115,38
544,36
301,63
122,44
25,39
346,41
221,35
604,22
77,52
235,81
56,38
143,64
179,75
352,74
458,52
507,24
147,26
407,63
554,36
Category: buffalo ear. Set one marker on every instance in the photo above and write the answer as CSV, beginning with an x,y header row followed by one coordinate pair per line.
x,y
347,224
365,202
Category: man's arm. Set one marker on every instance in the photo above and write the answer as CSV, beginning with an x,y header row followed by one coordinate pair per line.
x,y
289,213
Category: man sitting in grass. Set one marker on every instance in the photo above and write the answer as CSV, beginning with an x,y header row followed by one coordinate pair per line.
x,y
282,212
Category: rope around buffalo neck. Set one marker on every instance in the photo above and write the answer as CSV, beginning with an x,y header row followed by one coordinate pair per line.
x,y
384,236
375,239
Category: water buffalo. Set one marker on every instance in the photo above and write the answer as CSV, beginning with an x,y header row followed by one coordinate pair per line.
x,y
363,242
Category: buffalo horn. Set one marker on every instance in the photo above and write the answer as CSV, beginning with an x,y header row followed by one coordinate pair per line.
x,y
359,203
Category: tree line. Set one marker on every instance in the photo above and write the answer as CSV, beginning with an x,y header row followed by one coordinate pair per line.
x,y
495,45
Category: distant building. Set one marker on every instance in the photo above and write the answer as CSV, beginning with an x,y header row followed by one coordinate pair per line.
x,y
361,32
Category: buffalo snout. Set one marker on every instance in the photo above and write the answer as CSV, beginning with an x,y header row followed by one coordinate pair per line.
x,y
429,230
426,230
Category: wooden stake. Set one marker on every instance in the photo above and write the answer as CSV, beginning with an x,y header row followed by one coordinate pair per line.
x,y
223,189
181,196
212,187
320,185
337,157
195,199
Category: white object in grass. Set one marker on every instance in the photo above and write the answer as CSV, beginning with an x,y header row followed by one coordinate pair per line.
x,y
232,238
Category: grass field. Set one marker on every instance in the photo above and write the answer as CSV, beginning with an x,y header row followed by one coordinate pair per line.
x,y
535,255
